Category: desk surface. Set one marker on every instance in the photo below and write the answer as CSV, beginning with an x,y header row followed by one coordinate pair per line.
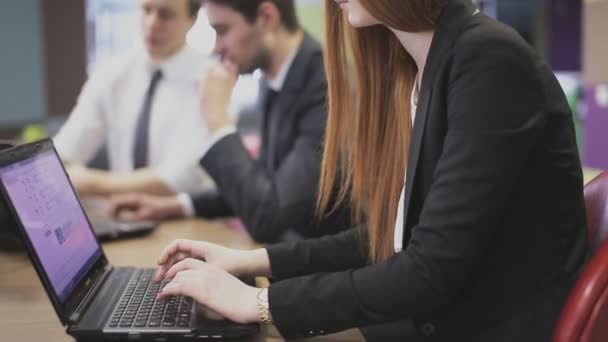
x,y
26,313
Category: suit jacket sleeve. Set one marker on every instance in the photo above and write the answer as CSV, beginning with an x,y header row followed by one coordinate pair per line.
x,y
266,203
493,123
296,258
210,204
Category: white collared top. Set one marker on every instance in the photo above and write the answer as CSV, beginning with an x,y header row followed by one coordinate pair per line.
x,y
398,236
110,104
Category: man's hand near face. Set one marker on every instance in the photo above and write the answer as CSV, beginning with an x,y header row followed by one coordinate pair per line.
x,y
216,88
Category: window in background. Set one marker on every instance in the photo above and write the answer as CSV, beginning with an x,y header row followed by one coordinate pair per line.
x,y
487,6
572,85
112,29
22,67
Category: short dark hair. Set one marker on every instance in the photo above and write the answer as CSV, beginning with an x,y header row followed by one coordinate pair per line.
x,y
194,6
249,9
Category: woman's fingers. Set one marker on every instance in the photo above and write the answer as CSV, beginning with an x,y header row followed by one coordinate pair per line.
x,y
174,259
177,246
186,264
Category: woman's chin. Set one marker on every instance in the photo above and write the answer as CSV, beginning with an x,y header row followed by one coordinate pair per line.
x,y
357,22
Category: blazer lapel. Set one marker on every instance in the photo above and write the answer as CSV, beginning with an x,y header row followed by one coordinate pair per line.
x,y
414,156
453,18
281,110
261,105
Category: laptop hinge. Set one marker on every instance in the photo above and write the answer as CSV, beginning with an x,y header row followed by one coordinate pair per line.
x,y
88,298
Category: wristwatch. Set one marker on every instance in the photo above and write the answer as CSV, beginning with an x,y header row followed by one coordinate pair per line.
x,y
264,306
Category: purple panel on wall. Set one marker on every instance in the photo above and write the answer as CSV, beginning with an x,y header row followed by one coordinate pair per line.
x,y
596,126
565,34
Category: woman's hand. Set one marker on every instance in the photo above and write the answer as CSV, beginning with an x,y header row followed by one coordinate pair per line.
x,y
213,287
184,254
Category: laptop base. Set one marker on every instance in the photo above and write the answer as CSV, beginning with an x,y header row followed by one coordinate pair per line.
x,y
94,323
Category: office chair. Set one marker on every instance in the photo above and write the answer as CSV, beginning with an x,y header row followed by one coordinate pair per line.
x,y
584,317
596,204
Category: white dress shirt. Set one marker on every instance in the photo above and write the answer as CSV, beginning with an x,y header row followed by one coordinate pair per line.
x,y
398,237
275,84
110,104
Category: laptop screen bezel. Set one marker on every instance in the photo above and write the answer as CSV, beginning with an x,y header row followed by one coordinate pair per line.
x,y
66,309
8,228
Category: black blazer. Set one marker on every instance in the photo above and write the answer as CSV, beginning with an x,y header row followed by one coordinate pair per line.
x,y
494,219
276,193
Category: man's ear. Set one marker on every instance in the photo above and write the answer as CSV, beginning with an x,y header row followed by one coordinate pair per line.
x,y
269,16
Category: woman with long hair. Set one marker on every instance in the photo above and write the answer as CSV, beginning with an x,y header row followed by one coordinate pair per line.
x,y
457,156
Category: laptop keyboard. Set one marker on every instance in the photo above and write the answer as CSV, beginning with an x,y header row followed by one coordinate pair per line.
x,y
139,308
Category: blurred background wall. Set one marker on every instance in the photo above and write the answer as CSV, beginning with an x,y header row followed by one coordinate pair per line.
x,y
50,46
22,69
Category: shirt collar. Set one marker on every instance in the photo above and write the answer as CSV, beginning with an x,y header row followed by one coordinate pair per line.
x,y
278,82
180,65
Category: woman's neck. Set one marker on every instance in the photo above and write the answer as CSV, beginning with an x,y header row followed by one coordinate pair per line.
x,y
417,45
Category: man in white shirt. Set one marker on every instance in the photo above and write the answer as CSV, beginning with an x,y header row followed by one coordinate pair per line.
x,y
274,196
144,108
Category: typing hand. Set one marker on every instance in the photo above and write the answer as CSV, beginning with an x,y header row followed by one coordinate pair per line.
x,y
217,290
182,254
216,87
145,207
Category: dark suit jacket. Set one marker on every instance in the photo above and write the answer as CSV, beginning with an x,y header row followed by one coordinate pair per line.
x,y
494,220
277,193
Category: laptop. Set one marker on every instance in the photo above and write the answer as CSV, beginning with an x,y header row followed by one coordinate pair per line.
x,y
104,225
93,299
107,227
9,236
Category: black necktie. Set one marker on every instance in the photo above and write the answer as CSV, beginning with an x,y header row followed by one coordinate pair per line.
x,y
142,130
271,129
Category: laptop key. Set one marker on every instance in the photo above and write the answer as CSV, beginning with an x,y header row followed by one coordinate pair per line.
x,y
138,306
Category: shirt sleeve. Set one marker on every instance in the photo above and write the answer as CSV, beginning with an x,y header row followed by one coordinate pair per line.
x,y
185,201
85,130
179,169
182,175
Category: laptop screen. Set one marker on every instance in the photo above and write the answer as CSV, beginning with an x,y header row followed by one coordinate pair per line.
x,y
53,220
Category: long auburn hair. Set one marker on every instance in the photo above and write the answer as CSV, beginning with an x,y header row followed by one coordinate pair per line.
x,y
368,134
